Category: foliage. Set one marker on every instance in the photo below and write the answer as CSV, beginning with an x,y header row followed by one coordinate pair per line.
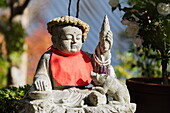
x,y
126,69
147,61
3,72
14,45
139,64
13,42
10,96
154,27
2,3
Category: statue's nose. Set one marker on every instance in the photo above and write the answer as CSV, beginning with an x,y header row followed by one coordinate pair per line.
x,y
74,40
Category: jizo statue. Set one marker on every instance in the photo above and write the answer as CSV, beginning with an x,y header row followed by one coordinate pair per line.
x,y
65,72
65,64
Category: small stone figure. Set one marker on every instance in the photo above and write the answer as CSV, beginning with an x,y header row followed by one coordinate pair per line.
x,y
113,88
64,72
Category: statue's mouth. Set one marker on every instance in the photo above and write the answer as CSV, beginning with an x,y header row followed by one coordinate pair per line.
x,y
74,46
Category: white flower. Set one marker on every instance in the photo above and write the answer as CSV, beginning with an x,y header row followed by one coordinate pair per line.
x,y
113,3
132,30
163,9
138,41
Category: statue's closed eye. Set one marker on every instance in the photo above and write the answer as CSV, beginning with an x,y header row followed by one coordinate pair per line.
x,y
69,37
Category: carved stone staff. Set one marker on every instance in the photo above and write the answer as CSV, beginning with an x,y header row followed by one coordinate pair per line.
x,y
102,55
105,40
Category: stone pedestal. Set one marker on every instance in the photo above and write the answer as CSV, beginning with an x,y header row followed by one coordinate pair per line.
x,y
71,101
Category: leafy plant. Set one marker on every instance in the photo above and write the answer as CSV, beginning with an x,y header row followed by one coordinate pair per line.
x,y
137,62
148,23
126,68
2,3
3,72
12,34
147,61
10,96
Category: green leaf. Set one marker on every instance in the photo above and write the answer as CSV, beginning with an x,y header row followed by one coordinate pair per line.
x,y
165,35
156,23
2,3
10,96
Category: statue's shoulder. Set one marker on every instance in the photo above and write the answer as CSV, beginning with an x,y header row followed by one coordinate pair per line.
x,y
46,55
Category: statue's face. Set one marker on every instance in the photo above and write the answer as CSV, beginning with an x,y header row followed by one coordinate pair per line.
x,y
70,40
99,79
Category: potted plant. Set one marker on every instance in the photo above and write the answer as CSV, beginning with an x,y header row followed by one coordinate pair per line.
x,y
148,22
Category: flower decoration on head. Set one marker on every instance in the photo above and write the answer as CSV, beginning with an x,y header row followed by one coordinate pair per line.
x,y
69,20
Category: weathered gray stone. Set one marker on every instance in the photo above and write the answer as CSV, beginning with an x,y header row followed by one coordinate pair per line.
x,y
48,96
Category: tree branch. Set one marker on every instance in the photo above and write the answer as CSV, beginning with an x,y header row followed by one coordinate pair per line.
x,y
17,10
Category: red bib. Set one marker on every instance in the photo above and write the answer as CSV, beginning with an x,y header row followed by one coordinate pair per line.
x,y
71,70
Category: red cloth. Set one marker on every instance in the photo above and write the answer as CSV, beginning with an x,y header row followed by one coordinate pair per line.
x,y
71,70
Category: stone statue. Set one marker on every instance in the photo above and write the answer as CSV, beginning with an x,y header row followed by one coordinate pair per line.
x,y
114,88
111,86
70,80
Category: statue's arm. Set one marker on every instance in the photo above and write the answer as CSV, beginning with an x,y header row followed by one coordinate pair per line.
x,y
102,55
101,58
41,78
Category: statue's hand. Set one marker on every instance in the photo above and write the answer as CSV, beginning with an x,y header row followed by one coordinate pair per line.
x,y
106,42
41,85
